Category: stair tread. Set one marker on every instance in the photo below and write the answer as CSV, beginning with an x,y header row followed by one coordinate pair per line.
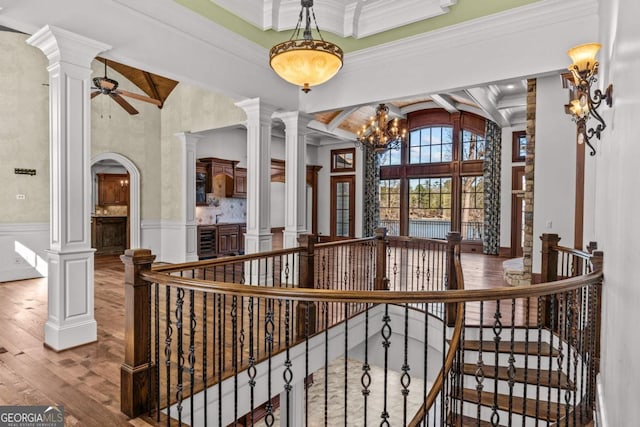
x,y
557,379
464,421
519,347
546,411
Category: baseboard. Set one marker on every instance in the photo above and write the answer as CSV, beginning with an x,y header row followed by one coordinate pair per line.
x,y
505,252
600,416
23,251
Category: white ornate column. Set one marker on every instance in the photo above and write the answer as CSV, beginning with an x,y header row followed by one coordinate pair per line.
x,y
258,237
189,195
70,321
295,171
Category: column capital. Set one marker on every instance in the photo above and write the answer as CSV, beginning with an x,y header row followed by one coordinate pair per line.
x,y
62,45
256,110
188,137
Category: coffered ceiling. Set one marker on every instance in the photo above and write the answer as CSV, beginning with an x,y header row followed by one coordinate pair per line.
x,y
460,55
345,18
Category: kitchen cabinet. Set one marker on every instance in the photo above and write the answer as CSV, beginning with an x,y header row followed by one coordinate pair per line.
x,y
109,234
228,239
113,189
240,182
220,240
203,183
223,185
207,241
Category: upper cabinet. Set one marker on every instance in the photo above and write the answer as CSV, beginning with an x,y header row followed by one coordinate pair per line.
x,y
240,183
113,189
203,183
226,179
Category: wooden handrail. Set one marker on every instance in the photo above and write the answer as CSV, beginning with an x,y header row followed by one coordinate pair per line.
x,y
170,268
437,385
376,297
573,251
344,242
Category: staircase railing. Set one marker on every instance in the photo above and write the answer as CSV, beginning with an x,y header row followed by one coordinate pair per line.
x,y
382,325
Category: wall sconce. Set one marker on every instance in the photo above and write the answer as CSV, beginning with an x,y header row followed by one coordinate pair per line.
x,y
583,104
124,183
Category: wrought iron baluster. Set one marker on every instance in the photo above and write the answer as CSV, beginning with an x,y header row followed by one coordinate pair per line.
x,y
157,350
562,321
346,362
479,375
179,351
405,378
365,379
251,370
497,331
287,375
220,357
268,328
511,370
192,350
205,361
167,350
234,353
386,342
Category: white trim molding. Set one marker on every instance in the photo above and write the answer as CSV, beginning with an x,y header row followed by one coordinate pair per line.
x,y
601,413
23,249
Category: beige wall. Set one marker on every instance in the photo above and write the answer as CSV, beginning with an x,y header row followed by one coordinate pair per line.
x,y
136,137
188,109
24,131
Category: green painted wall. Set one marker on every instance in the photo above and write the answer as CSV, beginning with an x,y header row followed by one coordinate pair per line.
x,y
464,10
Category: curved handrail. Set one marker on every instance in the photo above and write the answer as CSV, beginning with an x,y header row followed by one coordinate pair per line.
x,y
342,242
168,268
375,296
437,385
572,251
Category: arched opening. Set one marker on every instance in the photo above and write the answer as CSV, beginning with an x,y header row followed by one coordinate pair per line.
x,y
134,193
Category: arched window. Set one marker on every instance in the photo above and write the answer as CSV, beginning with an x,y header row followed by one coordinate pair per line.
x,y
433,184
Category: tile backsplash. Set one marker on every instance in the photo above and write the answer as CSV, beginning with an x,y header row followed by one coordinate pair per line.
x,y
228,210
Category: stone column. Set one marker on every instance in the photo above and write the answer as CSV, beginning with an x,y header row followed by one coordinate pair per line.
x,y
70,321
189,195
258,236
529,168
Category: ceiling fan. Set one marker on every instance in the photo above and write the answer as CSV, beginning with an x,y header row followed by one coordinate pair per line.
x,y
106,86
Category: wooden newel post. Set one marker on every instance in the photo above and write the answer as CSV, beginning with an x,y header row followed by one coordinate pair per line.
x,y
136,370
453,241
381,282
307,280
549,273
549,265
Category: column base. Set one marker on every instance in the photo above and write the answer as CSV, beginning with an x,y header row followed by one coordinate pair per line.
x,y
59,338
70,321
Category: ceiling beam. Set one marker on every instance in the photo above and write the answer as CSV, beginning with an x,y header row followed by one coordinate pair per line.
x,y
341,117
512,101
445,101
484,99
338,134
154,88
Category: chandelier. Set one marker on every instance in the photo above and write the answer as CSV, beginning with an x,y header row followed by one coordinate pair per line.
x,y
380,133
306,61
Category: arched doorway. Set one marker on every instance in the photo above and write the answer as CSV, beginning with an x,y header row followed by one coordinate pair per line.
x,y
134,193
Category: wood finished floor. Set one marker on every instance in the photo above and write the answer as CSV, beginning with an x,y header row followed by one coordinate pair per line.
x,y
86,380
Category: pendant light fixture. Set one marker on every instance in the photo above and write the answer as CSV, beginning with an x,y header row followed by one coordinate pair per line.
x,y
306,61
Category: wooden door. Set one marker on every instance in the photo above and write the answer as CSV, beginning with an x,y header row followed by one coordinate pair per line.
x,y
517,210
343,206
